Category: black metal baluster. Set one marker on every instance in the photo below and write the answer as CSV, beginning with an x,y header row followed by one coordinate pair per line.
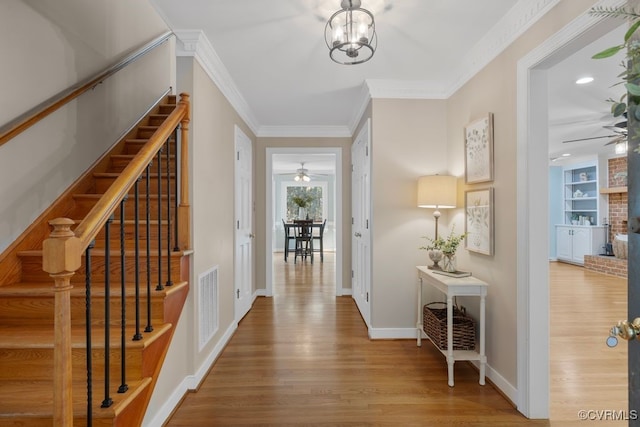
x,y
176,169
87,302
123,302
160,285
148,328
107,312
169,281
136,237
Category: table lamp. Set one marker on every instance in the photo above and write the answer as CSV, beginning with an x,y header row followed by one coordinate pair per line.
x,y
437,192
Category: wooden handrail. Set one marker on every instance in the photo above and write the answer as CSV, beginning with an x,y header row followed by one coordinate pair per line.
x,y
89,228
42,110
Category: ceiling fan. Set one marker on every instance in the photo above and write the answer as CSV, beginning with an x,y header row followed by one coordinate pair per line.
x,y
302,174
619,134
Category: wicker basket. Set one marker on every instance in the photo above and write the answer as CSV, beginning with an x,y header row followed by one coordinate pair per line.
x,y
435,326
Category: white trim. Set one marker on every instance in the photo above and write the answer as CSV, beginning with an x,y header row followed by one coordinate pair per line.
x,y
269,183
346,291
392,333
532,246
365,97
190,382
194,43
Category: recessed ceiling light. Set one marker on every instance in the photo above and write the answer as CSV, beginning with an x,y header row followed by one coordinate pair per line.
x,y
566,155
584,80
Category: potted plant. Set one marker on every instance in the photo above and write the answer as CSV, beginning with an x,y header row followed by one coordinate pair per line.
x,y
447,248
302,202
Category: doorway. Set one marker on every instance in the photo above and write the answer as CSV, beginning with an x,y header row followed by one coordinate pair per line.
x,y
533,208
323,166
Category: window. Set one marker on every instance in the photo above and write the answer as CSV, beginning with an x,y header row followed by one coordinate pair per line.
x,y
315,194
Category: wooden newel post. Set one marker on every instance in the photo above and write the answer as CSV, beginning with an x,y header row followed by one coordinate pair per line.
x,y
61,257
184,210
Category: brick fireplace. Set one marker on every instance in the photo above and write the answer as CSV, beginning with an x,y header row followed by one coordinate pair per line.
x,y
617,218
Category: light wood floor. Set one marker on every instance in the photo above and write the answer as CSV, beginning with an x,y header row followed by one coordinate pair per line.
x,y
303,358
585,374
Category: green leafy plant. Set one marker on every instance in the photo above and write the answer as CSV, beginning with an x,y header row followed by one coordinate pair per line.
x,y
302,201
447,245
628,103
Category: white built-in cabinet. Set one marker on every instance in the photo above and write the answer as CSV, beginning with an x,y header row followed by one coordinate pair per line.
x,y
573,242
580,234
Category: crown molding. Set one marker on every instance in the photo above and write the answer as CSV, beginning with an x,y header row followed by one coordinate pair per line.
x,y
304,132
194,43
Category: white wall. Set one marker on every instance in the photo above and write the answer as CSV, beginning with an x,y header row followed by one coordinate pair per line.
x,y
61,42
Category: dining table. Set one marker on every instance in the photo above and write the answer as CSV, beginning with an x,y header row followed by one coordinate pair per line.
x,y
289,232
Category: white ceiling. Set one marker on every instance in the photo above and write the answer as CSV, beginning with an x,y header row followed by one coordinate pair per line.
x,y
275,57
581,111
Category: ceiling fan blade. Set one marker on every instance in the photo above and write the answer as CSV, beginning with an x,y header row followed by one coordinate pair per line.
x,y
616,140
587,139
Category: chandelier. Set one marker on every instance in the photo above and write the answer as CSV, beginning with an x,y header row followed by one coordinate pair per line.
x,y
350,34
302,174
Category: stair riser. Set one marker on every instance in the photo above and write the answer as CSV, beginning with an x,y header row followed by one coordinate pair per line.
x,y
32,270
83,206
40,310
103,184
157,120
166,109
36,364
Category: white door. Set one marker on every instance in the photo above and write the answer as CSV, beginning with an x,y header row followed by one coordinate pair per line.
x,y
361,223
243,224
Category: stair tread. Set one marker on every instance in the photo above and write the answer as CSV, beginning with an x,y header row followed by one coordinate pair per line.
x,y
42,337
13,402
45,289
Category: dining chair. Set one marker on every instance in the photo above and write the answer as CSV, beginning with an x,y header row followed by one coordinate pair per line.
x,y
288,237
304,239
319,238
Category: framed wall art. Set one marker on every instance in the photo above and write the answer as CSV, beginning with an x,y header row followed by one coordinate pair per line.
x,y
478,208
478,150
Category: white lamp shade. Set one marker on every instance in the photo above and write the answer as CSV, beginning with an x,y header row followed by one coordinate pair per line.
x,y
437,191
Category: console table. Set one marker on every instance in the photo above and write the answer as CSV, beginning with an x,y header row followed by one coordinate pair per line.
x,y
452,287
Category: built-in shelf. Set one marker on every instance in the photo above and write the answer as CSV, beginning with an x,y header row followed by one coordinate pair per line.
x,y
613,190
580,198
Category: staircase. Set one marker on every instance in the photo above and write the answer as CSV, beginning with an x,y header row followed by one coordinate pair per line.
x,y
43,381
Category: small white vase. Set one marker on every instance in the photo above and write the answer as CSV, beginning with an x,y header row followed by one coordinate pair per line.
x,y
302,213
449,263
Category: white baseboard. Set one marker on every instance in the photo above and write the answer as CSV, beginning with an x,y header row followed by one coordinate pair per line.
x,y
346,291
499,381
392,333
190,382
